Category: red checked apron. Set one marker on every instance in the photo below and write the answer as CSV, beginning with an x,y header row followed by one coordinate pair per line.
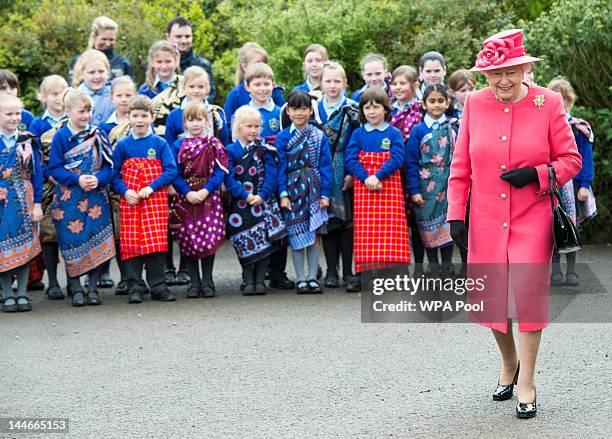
x,y
144,227
381,231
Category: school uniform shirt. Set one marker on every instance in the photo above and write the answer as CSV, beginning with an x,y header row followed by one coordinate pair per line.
x,y
149,146
181,185
235,151
270,115
325,162
37,175
158,85
64,141
239,96
174,125
110,123
26,120
585,148
103,106
44,123
326,109
306,86
367,138
413,150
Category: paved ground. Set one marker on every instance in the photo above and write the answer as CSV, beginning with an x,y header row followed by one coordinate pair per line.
x,y
288,366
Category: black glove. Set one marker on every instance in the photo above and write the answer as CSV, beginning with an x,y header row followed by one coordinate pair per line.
x,y
459,233
519,177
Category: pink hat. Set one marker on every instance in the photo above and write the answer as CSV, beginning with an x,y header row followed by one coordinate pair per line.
x,y
504,49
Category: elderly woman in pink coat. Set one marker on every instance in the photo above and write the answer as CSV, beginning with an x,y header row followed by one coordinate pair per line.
x,y
510,134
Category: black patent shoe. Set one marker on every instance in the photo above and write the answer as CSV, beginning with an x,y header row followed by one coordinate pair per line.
x,y
9,304
208,291
93,298
260,289
571,279
135,297
54,292
314,287
78,298
352,283
505,392
182,278
302,287
528,410
282,283
557,279
193,293
23,304
331,281
122,288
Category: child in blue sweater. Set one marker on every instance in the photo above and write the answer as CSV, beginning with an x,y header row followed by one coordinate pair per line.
x,y
375,73
91,74
9,85
163,66
144,167
304,183
255,223
249,53
20,209
315,57
259,82
51,95
80,163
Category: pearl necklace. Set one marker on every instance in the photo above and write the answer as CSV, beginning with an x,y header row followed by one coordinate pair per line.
x,y
520,96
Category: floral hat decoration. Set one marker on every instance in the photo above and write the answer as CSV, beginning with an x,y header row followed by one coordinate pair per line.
x,y
504,49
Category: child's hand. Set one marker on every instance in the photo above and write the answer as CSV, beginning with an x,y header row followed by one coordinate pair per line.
x,y
249,198
285,203
324,203
193,197
145,192
88,182
52,180
256,201
583,194
372,182
171,191
348,183
203,193
131,196
379,187
37,213
418,199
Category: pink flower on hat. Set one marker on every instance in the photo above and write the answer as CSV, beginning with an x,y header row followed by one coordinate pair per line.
x,y
495,52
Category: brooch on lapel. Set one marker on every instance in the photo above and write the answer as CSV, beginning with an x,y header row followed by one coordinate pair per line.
x,y
538,101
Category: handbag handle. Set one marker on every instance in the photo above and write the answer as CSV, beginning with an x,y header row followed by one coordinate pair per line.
x,y
554,188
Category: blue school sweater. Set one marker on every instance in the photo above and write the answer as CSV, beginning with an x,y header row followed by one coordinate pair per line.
x,y
325,162
37,175
43,123
368,139
235,152
150,146
26,120
63,142
174,127
270,116
179,182
239,96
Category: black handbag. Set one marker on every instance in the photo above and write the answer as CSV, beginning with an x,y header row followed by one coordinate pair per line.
x,y
565,232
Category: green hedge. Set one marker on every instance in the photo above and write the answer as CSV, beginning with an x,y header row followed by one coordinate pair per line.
x,y
39,37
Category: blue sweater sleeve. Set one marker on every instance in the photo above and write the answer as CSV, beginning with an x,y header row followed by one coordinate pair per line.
x,y
231,105
232,185
351,157
56,163
174,126
397,156
105,174
271,177
179,182
277,97
413,153
225,135
169,172
586,174
118,183
37,177
215,180
326,167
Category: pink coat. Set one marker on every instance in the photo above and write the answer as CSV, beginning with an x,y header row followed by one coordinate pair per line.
x,y
508,224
